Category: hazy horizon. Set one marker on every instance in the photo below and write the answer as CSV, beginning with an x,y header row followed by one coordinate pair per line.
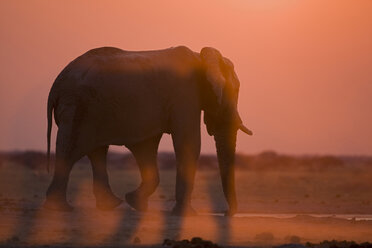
x,y
118,150
305,67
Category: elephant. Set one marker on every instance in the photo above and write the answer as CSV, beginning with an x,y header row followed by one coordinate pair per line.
x,y
109,96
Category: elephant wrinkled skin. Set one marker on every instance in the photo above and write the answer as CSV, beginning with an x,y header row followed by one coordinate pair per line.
x,y
109,96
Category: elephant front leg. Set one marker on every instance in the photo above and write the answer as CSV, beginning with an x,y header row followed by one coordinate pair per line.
x,y
105,199
146,157
187,149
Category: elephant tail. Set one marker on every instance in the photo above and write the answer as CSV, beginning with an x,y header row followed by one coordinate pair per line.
x,y
49,116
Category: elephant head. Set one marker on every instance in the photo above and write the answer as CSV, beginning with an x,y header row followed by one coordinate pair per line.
x,y
221,116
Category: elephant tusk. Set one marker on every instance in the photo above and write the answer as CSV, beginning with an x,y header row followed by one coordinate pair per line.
x,y
245,129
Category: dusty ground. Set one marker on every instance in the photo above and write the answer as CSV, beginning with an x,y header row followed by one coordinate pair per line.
x,y
22,221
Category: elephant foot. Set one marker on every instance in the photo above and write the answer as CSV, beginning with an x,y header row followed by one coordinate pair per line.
x,y
108,202
183,210
57,205
230,213
136,201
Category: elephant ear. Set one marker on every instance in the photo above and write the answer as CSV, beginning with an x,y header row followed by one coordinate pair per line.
x,y
232,78
211,59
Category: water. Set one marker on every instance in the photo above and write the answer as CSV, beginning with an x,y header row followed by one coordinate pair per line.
x,y
356,217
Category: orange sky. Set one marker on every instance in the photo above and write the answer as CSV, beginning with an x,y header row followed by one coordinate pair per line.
x,y
305,66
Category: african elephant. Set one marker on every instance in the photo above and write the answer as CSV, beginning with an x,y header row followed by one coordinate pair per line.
x,y
109,96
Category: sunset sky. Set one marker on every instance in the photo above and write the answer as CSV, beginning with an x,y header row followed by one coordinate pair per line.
x,y
305,66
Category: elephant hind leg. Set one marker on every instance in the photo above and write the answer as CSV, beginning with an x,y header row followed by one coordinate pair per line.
x,y
56,193
105,199
145,154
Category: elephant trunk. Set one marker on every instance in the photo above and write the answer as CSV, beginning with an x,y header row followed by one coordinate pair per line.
x,y
225,145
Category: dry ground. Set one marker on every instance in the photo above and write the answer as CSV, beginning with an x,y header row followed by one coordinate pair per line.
x,y
22,221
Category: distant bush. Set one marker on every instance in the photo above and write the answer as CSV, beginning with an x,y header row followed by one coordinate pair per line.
x,y
293,239
30,159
